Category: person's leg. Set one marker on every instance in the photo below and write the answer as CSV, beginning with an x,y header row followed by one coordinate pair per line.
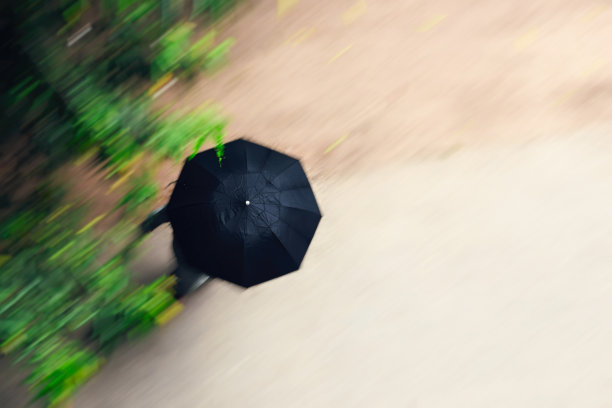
x,y
178,253
188,278
155,219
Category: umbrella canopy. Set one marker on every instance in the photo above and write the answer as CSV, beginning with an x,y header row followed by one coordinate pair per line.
x,y
247,219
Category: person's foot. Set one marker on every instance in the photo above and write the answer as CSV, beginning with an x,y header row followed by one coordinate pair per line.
x,y
186,285
201,280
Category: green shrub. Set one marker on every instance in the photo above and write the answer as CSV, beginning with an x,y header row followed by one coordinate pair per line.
x,y
53,286
56,278
179,129
64,366
214,8
172,48
134,315
143,190
218,55
194,60
177,52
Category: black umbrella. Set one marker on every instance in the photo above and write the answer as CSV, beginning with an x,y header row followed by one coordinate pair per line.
x,y
247,219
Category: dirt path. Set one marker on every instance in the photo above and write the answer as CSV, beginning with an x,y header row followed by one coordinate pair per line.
x,y
483,280
463,257
401,78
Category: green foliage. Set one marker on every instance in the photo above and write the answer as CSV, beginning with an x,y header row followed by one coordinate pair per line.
x,y
53,287
217,57
178,129
143,190
64,366
194,60
69,105
134,315
117,126
72,10
59,254
178,52
124,55
214,8
172,48
56,279
23,227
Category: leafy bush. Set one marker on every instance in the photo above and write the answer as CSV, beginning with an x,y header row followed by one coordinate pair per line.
x,y
64,366
143,190
56,279
215,8
47,293
195,58
53,287
178,52
134,315
179,129
218,55
172,48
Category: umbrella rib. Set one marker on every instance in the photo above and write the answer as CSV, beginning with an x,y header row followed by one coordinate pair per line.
x,y
259,216
293,229
277,239
263,219
203,165
264,210
307,187
239,186
243,182
265,162
302,209
225,193
280,173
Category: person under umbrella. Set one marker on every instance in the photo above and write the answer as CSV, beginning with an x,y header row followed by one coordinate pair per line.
x,y
247,219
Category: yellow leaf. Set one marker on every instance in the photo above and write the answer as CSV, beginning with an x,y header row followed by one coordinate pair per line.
x,y
168,283
58,212
335,144
283,6
160,83
62,250
300,36
168,314
14,342
432,22
91,224
4,259
341,53
120,181
85,156
354,12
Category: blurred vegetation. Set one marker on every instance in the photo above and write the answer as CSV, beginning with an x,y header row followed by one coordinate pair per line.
x,y
80,81
178,52
214,8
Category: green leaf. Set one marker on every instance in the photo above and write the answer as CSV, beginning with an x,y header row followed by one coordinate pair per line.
x,y
196,147
218,55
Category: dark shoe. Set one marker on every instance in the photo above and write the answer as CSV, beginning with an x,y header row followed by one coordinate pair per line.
x,y
187,282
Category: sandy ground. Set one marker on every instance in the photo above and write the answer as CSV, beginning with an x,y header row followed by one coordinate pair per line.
x,y
480,280
462,260
404,79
